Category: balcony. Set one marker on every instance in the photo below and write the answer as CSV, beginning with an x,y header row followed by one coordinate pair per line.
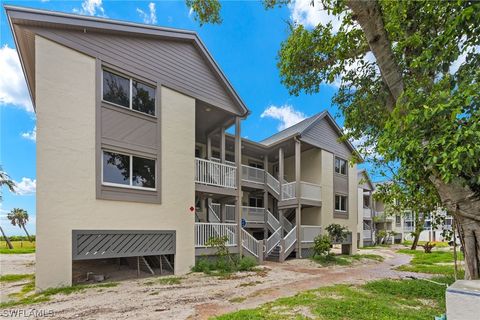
x,y
367,213
308,191
213,173
309,233
252,174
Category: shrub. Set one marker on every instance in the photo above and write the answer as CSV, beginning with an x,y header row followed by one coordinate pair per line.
x,y
336,232
321,245
246,264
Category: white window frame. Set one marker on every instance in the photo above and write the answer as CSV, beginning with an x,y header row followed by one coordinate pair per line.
x,y
130,102
340,202
130,185
340,168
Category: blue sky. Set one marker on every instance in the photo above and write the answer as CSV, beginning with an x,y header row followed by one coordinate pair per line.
x,y
245,46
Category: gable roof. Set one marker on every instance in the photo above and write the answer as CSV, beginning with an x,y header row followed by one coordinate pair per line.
x,y
366,176
28,17
303,128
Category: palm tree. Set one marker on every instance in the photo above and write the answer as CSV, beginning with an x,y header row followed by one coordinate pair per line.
x,y
19,217
5,180
6,238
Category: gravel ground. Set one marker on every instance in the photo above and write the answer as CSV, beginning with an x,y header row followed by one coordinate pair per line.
x,y
200,296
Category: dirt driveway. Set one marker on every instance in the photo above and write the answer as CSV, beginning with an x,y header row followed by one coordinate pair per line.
x,y
200,297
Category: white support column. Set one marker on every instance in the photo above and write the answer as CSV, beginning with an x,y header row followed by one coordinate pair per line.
x,y
238,197
280,179
298,210
222,145
209,147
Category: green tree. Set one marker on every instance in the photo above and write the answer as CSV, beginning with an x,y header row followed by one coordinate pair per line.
x,y
6,181
415,101
409,199
19,217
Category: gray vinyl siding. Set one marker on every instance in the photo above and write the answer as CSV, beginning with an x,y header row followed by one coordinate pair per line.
x,y
323,136
176,64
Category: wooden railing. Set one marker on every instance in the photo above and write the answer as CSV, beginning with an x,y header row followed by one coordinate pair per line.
x,y
253,174
288,191
253,214
310,191
287,225
215,173
273,241
290,239
250,243
367,212
272,221
367,234
309,233
214,212
206,231
273,183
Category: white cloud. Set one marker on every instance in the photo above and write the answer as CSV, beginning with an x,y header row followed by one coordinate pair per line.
x,y
30,135
304,13
91,8
13,88
286,114
151,16
26,186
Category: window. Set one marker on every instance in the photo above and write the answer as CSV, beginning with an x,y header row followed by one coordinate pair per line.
x,y
340,166
340,203
127,170
255,165
129,93
366,201
255,202
398,220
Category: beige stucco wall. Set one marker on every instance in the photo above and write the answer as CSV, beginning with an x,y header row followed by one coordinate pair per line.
x,y
328,197
66,199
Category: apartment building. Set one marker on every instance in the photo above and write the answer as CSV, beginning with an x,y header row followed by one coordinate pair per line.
x,y
134,161
366,209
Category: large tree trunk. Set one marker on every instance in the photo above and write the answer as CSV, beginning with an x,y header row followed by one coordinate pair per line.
x,y
465,206
10,246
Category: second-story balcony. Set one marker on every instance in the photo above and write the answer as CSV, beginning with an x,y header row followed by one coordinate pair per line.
x,y
308,191
367,213
213,173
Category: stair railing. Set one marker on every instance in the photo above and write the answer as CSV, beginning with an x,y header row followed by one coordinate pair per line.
x,y
273,240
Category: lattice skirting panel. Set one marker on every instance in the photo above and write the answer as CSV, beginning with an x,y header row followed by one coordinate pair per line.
x,y
101,244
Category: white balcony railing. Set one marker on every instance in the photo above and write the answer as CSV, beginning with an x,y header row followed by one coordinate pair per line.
x,y
253,214
272,221
288,191
206,231
290,238
310,191
253,174
250,243
273,183
215,173
367,212
273,240
230,213
309,233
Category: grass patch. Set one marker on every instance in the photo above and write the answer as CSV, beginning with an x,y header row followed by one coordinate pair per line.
x,y
224,267
382,299
15,277
436,262
438,244
170,280
249,284
344,260
26,295
19,247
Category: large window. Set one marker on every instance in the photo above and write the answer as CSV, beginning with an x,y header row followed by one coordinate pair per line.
x,y
340,203
127,170
340,166
129,93
255,202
